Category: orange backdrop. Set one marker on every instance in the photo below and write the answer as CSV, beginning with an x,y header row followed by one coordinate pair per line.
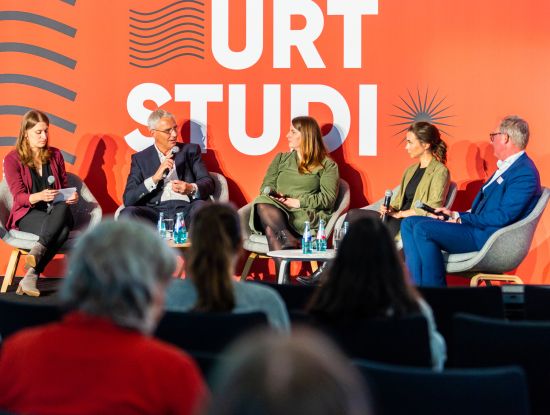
x,y
463,64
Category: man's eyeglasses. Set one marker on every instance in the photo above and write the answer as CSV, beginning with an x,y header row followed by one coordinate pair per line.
x,y
168,131
493,135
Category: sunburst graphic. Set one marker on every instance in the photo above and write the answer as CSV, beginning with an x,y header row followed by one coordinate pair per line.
x,y
430,108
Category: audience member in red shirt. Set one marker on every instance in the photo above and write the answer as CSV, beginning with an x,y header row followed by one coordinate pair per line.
x,y
100,359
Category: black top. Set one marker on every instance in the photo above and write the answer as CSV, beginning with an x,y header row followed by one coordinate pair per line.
x,y
410,190
40,183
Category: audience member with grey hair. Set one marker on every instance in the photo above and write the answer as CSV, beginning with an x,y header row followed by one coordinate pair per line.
x,y
100,358
168,177
508,196
268,374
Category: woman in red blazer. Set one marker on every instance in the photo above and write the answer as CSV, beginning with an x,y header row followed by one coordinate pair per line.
x,y
34,172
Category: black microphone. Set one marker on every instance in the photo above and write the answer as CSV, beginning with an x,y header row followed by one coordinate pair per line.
x,y
268,191
51,182
423,206
173,151
387,201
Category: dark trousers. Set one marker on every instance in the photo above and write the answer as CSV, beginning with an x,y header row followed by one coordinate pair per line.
x,y
52,228
391,223
170,208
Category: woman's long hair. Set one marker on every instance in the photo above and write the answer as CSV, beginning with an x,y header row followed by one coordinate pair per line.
x,y
366,279
429,134
216,240
30,119
312,147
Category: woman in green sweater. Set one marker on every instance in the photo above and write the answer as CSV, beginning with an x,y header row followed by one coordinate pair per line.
x,y
303,184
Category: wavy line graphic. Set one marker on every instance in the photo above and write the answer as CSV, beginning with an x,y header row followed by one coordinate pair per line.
x,y
11,78
184,16
166,60
166,7
167,52
71,2
54,119
38,20
183,39
165,35
166,30
166,15
38,51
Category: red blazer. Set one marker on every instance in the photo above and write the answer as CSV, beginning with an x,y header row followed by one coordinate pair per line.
x,y
19,181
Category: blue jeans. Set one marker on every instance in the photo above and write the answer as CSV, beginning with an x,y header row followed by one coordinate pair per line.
x,y
423,240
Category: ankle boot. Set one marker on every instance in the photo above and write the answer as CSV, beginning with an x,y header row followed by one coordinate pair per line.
x,y
35,255
28,284
287,240
315,278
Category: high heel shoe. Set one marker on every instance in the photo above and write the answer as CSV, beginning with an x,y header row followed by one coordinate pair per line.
x,y
28,285
315,278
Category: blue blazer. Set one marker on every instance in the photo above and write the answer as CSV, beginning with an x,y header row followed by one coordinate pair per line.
x,y
508,199
189,166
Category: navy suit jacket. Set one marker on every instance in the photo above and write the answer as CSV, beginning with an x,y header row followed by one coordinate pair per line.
x,y
508,199
189,166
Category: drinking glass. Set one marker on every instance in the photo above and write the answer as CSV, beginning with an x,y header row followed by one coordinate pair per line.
x,y
337,237
169,226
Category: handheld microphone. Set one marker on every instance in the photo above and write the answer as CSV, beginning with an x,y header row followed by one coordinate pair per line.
x,y
423,206
268,191
51,182
387,201
173,151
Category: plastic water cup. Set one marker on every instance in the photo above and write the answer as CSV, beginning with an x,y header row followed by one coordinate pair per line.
x,y
337,237
169,227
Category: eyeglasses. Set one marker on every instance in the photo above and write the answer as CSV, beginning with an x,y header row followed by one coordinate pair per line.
x,y
493,135
168,131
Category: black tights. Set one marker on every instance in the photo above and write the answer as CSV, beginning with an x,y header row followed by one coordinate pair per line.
x,y
52,228
275,225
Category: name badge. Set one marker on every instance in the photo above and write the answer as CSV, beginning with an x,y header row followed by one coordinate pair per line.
x,y
500,180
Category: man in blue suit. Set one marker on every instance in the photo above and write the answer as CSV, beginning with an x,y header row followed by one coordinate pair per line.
x,y
167,177
508,196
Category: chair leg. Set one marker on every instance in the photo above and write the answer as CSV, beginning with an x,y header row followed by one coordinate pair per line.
x,y
248,265
479,278
10,270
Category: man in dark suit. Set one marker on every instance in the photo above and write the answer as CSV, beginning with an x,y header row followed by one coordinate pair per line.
x,y
167,177
508,196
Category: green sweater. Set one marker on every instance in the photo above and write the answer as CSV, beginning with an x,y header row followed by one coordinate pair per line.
x,y
317,191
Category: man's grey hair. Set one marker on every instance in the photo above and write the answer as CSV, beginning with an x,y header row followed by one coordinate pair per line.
x,y
517,129
155,117
115,271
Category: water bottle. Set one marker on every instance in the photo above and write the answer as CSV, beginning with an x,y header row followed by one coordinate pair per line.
x,y
346,227
180,230
321,237
161,227
307,247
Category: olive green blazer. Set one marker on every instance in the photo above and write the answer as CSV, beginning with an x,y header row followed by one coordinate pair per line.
x,y
432,189
316,191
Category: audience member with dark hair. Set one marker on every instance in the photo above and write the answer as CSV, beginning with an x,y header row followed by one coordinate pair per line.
x,y
29,170
101,359
268,374
210,264
366,280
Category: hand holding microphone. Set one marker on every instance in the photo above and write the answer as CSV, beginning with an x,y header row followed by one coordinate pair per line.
x,y
423,206
386,204
174,150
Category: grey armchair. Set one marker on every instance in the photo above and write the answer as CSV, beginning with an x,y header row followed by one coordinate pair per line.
x,y
86,213
256,244
502,252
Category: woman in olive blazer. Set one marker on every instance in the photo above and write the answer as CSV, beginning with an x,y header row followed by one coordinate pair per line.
x,y
303,184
